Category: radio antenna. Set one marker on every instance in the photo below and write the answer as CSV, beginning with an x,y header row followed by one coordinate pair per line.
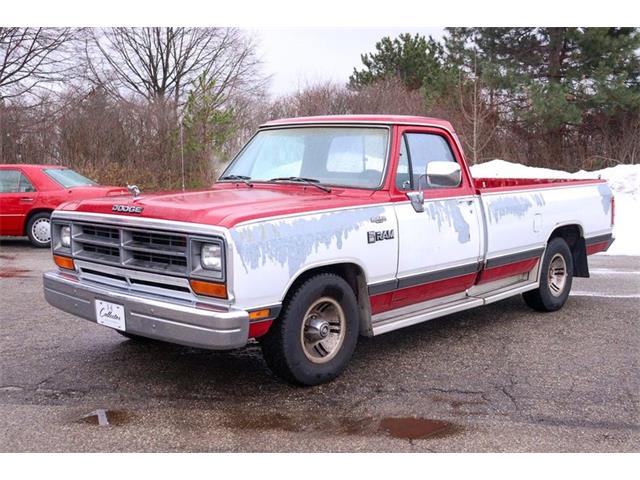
x,y
182,149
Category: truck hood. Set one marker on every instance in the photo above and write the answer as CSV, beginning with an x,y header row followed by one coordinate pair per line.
x,y
98,191
227,205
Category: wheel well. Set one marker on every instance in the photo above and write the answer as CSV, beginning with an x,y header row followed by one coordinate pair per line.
x,y
354,276
572,234
31,214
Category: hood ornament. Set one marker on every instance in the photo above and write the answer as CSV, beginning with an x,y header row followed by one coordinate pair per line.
x,y
133,190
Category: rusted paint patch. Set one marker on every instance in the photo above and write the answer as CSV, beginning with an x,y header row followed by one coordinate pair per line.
x,y
605,197
516,205
539,200
290,241
448,212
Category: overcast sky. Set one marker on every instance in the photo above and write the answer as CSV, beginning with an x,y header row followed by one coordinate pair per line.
x,y
295,57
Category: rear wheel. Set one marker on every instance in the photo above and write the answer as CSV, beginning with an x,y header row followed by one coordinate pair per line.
x,y
314,337
556,277
39,230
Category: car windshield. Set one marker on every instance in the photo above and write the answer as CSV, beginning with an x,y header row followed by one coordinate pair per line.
x,y
337,156
68,178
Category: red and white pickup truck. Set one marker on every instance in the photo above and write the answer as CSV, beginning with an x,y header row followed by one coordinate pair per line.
x,y
320,230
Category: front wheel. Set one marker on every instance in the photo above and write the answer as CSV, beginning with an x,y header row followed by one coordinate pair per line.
x,y
39,230
556,277
314,337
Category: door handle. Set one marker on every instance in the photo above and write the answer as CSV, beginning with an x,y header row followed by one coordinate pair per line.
x,y
466,201
26,199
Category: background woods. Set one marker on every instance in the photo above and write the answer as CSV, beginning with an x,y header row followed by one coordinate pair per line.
x,y
117,104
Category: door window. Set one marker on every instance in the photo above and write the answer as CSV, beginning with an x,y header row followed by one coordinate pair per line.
x,y
403,175
13,181
416,151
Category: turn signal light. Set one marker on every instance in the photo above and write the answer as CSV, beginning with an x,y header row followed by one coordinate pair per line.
x,y
258,314
64,262
209,289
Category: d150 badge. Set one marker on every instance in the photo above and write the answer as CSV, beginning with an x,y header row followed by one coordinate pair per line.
x,y
373,237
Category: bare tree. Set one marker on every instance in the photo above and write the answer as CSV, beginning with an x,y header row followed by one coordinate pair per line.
x,y
32,57
164,63
476,113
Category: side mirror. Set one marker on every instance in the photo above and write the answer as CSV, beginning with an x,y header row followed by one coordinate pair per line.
x,y
443,174
417,200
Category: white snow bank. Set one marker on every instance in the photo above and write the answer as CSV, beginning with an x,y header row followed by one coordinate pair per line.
x,y
623,179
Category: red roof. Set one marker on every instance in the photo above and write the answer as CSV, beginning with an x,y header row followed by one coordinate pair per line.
x,y
384,119
29,165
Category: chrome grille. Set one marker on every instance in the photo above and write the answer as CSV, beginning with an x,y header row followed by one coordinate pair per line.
x,y
163,252
158,240
111,252
100,232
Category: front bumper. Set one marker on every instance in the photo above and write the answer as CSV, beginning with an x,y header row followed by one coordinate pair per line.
x,y
159,318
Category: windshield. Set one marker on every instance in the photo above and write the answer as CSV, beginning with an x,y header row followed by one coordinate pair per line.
x,y
68,178
341,156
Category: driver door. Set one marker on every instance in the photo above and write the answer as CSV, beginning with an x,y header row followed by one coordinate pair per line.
x,y
440,247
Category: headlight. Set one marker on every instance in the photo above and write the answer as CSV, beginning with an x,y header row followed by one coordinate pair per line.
x,y
65,236
211,256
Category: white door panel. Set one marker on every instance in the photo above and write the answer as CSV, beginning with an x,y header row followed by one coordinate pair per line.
x,y
446,234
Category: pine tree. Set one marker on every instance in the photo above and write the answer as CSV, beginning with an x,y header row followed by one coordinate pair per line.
x,y
419,63
553,81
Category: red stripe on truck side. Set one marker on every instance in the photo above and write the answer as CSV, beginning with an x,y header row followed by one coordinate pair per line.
x,y
420,293
508,270
597,247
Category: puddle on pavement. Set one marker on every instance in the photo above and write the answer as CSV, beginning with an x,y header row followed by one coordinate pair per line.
x,y
105,418
410,428
13,273
406,428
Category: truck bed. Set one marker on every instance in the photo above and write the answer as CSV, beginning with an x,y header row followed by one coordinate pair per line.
x,y
492,183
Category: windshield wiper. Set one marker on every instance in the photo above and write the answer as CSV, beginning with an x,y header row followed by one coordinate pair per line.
x,y
309,181
242,178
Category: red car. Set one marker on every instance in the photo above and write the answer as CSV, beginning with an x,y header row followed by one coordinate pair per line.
x,y
29,193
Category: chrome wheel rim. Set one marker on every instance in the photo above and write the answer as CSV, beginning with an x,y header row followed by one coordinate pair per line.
x,y
323,330
41,230
557,275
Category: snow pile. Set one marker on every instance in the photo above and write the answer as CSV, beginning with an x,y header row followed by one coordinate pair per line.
x,y
623,179
504,169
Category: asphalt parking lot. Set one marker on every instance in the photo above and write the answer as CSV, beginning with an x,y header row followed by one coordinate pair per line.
x,y
498,378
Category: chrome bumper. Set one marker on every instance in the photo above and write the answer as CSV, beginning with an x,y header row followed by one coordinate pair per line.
x,y
162,319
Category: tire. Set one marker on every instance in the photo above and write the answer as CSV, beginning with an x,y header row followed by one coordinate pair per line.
x,y
314,337
39,230
556,277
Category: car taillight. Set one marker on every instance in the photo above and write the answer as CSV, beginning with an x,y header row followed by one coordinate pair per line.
x,y
613,210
